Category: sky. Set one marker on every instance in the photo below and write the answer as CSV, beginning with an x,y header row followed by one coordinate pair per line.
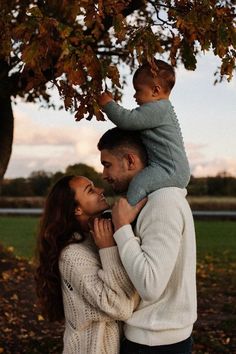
x,y
50,140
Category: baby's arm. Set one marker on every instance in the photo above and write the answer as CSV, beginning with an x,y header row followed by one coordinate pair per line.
x,y
148,116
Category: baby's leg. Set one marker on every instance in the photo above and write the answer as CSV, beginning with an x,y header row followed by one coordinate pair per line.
x,y
148,180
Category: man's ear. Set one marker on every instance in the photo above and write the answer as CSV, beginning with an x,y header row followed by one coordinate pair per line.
x,y
131,161
78,211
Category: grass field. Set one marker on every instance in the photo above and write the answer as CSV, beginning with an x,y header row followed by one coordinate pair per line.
x,y
214,331
214,238
19,233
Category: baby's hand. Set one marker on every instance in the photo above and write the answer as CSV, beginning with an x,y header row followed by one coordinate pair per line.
x,y
103,233
104,98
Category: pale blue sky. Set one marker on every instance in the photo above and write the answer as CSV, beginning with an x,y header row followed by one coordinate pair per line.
x,y
51,140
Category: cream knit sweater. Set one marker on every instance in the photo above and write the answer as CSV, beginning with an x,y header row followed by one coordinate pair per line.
x,y
97,294
161,264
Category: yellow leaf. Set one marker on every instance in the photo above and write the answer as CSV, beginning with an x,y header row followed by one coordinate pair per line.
x,y
5,275
40,318
14,297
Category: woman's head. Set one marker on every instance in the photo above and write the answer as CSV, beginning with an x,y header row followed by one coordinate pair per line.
x,y
90,200
68,207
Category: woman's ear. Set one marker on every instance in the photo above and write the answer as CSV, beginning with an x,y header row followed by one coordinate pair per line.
x,y
78,211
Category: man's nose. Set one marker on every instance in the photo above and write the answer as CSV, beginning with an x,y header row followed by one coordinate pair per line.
x,y
104,174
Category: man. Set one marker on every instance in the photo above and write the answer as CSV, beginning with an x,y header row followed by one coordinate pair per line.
x,y
159,254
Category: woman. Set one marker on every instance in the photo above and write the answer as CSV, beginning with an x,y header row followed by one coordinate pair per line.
x,y
80,278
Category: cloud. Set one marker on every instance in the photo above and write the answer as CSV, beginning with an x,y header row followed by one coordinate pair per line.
x,y
202,166
194,151
33,132
214,167
52,147
44,146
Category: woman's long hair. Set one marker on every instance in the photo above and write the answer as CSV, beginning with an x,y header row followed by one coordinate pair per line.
x,y
57,226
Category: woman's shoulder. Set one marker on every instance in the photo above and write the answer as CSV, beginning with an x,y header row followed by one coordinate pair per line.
x,y
82,254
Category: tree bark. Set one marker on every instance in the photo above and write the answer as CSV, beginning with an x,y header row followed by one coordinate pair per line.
x,y
6,133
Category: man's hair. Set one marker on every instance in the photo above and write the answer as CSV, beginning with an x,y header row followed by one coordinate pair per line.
x,y
116,140
161,70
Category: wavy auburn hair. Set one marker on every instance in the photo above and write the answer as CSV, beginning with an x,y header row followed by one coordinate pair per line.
x,y
57,226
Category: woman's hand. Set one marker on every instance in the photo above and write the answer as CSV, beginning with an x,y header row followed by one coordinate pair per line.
x,y
103,233
123,213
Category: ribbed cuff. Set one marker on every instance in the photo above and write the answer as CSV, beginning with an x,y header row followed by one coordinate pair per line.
x,y
109,257
123,234
109,107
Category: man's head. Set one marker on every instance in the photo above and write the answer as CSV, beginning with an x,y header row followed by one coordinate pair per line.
x,y
153,82
123,155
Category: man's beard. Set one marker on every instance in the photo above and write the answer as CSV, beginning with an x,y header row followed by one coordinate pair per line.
x,y
120,187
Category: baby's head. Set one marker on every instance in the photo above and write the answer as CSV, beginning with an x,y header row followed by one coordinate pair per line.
x,y
153,83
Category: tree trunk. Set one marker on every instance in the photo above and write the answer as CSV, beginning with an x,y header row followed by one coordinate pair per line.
x,y
6,133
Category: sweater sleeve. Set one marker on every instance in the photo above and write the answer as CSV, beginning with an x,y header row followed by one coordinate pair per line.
x,y
147,116
105,286
150,263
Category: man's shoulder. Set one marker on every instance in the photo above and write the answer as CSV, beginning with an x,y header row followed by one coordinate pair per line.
x,y
165,204
168,198
167,193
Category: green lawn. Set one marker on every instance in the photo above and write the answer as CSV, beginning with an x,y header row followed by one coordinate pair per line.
x,y
19,232
214,238
217,239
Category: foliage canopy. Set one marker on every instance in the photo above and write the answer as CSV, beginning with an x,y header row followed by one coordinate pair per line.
x,y
77,45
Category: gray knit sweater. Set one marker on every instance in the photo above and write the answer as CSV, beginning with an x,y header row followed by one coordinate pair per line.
x,y
160,131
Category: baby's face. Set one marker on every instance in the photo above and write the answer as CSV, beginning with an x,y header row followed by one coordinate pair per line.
x,y
144,92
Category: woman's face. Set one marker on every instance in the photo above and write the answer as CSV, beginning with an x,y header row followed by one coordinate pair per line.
x,y
90,199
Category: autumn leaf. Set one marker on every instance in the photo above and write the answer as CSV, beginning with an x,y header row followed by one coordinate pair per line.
x,y
114,75
98,113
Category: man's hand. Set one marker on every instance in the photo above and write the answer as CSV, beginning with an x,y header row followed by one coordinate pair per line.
x,y
123,213
104,98
103,233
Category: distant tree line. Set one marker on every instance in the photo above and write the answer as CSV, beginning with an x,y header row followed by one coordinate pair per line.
x,y
39,183
220,185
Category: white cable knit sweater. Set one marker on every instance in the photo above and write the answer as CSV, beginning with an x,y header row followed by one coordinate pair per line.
x,y
161,262
97,294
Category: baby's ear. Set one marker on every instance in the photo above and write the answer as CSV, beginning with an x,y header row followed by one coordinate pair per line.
x,y
156,90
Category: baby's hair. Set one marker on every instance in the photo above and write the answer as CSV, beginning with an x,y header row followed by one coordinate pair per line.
x,y
161,70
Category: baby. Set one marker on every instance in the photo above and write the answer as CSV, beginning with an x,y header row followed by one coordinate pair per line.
x,y
160,131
